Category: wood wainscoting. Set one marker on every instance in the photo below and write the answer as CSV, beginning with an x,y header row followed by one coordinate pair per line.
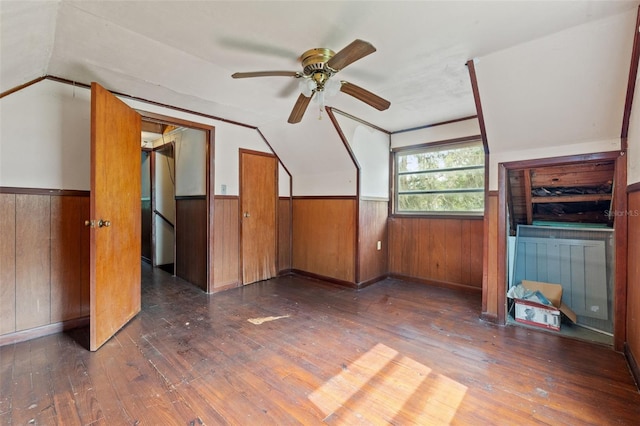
x,y
44,261
490,304
284,234
191,240
440,251
324,237
632,347
226,242
372,261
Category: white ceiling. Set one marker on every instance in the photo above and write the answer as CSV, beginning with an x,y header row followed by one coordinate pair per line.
x,y
183,53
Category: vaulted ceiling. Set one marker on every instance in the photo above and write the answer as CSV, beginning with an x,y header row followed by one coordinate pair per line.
x,y
183,53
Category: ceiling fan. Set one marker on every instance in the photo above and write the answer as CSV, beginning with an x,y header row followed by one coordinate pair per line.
x,y
318,66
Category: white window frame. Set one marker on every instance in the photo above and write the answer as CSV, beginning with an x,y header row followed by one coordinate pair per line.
x,y
434,147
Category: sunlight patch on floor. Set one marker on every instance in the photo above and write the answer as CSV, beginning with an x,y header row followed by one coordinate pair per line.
x,y
383,385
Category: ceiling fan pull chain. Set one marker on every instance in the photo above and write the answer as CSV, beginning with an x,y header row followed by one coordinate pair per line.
x,y
320,98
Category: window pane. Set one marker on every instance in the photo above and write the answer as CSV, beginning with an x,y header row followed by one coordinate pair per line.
x,y
441,159
452,202
441,179
438,181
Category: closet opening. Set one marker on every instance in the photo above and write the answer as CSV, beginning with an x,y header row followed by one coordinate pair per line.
x,y
561,229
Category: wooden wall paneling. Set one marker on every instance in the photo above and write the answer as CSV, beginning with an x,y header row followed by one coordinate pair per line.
x,y
436,249
621,244
7,263
395,246
373,228
394,229
437,236
454,262
146,226
67,233
475,235
284,234
226,244
422,260
33,270
467,254
324,239
191,240
490,276
406,251
633,275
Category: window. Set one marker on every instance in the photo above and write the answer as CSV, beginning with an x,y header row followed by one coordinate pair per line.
x,y
442,179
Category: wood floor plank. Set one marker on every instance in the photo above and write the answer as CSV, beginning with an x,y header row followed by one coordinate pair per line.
x,y
392,353
7,366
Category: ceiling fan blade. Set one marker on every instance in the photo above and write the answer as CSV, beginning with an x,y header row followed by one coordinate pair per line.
x,y
358,49
266,74
299,109
365,96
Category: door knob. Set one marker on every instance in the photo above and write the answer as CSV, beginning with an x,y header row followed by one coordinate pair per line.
x,y
246,214
90,223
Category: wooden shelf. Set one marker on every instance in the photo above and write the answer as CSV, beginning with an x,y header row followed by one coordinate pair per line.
x,y
571,198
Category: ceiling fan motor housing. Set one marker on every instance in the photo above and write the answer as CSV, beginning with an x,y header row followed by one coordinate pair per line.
x,y
314,60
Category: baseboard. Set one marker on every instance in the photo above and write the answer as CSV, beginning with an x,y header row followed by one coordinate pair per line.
x,y
492,318
223,287
436,283
363,284
633,365
285,272
331,280
367,283
45,330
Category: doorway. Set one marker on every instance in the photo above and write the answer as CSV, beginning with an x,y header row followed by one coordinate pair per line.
x,y
179,175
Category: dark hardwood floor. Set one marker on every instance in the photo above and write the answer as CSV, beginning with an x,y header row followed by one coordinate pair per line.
x,y
392,353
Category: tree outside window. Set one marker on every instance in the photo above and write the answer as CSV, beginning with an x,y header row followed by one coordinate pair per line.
x,y
445,179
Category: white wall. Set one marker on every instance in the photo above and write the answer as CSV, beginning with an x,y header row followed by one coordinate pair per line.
x,y
191,162
229,138
45,137
145,171
371,149
284,182
165,173
315,156
443,132
563,94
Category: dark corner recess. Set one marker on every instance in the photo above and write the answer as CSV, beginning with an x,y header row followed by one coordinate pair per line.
x,y
575,193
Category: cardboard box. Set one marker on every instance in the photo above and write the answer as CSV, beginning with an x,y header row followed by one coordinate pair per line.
x,y
538,314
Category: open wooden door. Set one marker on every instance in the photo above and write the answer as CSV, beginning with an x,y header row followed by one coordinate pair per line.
x,y
258,204
115,215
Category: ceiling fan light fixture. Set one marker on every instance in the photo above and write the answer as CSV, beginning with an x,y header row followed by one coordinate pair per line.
x,y
306,87
332,87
